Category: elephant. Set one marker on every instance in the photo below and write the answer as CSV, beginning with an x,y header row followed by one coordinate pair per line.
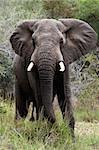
x,y
45,48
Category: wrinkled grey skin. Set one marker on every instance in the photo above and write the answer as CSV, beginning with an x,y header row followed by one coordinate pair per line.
x,y
46,42
23,91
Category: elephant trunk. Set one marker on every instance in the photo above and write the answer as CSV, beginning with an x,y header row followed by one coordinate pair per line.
x,y
46,69
46,88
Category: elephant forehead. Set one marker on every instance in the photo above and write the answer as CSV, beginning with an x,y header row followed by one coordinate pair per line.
x,y
46,25
50,25
49,21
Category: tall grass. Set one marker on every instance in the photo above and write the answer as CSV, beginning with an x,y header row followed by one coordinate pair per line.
x,y
88,103
39,135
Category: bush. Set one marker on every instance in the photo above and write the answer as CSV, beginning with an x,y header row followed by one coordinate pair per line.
x,y
6,76
60,9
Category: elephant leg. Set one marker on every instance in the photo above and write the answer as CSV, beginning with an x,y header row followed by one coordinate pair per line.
x,y
37,112
32,111
32,114
33,80
20,103
63,93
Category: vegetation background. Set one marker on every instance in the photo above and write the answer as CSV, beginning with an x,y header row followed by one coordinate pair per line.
x,y
25,135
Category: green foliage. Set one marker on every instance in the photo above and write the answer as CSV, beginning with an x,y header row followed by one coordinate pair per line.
x,y
14,11
60,9
6,77
88,103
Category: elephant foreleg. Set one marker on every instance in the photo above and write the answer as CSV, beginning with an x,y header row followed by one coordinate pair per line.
x,y
32,114
20,103
63,93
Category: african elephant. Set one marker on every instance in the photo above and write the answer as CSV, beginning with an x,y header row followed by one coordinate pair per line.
x,y
47,47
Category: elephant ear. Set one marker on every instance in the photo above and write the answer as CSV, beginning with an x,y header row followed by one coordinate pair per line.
x,y
21,39
80,39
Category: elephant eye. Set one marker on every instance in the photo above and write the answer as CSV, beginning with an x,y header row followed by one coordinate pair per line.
x,y
61,42
33,41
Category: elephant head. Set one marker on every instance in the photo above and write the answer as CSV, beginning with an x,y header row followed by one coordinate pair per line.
x,y
49,45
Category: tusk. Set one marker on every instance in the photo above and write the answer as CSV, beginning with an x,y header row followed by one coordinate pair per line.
x,y
62,66
30,66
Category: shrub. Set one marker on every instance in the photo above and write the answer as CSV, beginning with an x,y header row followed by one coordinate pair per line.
x,y
59,9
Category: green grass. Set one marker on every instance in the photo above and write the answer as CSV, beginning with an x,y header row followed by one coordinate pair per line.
x,y
39,135
88,103
28,135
